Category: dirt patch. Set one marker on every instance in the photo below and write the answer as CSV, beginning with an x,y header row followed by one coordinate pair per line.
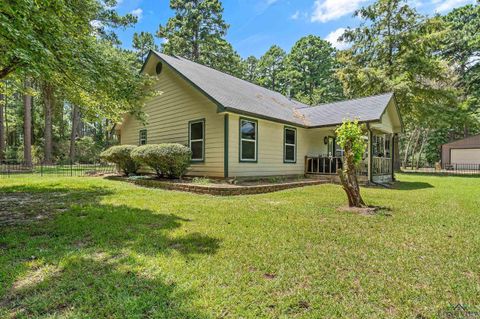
x,y
19,208
365,211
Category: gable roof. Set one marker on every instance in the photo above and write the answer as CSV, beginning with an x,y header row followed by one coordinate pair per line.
x,y
467,141
235,95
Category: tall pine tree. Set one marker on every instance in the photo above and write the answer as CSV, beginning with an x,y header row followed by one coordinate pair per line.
x,y
196,31
310,67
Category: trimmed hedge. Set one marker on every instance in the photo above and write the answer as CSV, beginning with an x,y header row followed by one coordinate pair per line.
x,y
121,155
170,160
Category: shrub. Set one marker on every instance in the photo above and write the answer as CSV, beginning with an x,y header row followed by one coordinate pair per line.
x,y
171,160
121,155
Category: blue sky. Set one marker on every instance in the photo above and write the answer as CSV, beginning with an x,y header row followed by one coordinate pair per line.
x,y
255,25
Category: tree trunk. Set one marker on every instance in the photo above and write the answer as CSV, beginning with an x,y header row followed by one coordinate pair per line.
x,y
407,148
414,148
73,135
27,126
2,128
349,181
49,102
424,141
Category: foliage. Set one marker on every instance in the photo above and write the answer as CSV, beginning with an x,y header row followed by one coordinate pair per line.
x,y
87,151
143,42
70,44
351,135
395,49
250,69
121,155
171,160
310,67
271,68
197,32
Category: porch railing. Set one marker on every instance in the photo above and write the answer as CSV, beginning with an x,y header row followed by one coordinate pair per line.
x,y
382,166
329,165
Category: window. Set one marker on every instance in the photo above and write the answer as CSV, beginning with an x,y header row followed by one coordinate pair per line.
x,y
248,140
158,68
196,140
142,137
290,147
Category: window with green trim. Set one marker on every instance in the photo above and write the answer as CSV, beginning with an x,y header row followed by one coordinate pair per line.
x,y
248,140
196,140
142,137
290,145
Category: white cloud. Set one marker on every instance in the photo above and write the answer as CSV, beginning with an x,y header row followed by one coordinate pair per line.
x,y
138,13
333,36
326,10
295,16
447,5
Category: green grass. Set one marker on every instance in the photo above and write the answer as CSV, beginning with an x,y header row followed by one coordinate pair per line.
x,y
110,249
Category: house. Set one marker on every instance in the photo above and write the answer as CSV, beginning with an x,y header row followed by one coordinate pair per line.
x,y
238,129
462,154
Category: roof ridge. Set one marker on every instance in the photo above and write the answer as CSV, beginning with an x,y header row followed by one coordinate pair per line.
x,y
248,82
350,100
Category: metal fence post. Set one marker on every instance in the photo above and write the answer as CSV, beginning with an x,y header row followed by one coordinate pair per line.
x,y
71,168
41,169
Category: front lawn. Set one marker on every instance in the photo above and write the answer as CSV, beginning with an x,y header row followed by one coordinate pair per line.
x,y
93,248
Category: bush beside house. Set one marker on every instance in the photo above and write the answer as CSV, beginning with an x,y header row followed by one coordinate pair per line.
x,y
121,155
171,160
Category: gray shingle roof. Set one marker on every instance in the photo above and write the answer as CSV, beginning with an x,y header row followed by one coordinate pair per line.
x,y
239,96
366,109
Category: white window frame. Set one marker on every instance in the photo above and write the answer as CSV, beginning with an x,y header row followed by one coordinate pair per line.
x,y
190,141
285,144
254,141
140,139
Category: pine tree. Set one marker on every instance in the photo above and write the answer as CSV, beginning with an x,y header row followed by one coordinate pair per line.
x,y
271,68
310,67
196,30
143,42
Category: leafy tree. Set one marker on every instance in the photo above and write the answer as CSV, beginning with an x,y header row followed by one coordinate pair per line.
x,y
40,36
310,67
271,68
250,69
462,50
195,31
350,137
396,49
143,42
225,59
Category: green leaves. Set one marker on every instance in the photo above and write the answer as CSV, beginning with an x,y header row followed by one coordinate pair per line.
x,y
310,69
70,44
350,137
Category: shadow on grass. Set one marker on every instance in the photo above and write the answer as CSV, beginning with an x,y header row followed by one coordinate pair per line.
x,y
402,185
89,260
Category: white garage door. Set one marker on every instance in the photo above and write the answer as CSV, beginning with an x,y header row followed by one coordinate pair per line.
x,y
465,156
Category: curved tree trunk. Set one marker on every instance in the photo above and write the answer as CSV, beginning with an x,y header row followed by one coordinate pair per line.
x,y
348,178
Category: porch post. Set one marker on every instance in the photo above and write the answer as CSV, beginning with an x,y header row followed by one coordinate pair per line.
x,y
370,155
392,155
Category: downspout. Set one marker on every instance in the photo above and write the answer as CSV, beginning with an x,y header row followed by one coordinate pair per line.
x,y
370,155
392,151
